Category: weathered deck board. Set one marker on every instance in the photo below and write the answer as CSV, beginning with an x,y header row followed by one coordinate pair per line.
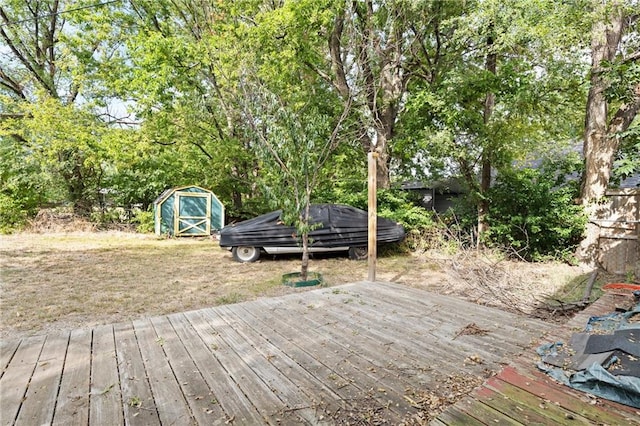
x,y
7,349
15,379
192,384
40,399
355,357
273,389
311,388
105,397
538,383
137,399
223,390
72,407
353,353
321,359
168,398
432,330
521,394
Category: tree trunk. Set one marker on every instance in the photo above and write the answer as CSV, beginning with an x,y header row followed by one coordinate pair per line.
x,y
76,175
304,267
600,144
483,201
485,172
378,53
382,162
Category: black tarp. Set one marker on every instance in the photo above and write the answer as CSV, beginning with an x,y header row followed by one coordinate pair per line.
x,y
337,226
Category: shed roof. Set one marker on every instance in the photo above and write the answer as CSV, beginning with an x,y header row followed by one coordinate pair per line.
x,y
168,192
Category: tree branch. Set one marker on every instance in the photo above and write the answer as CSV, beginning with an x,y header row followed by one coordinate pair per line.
x,y
340,82
24,56
11,84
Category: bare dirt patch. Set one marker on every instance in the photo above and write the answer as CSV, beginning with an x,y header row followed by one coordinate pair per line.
x,y
78,279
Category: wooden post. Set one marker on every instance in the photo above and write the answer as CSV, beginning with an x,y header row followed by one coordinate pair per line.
x,y
373,216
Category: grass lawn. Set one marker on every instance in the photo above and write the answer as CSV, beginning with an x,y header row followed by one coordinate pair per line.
x,y
66,280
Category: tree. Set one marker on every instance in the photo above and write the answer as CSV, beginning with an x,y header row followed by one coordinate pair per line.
x,y
296,141
180,70
369,50
46,93
298,122
612,105
491,88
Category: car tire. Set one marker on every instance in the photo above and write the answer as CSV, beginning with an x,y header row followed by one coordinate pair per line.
x,y
246,254
358,253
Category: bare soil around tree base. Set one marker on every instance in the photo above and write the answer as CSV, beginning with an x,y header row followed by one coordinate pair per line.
x,y
64,280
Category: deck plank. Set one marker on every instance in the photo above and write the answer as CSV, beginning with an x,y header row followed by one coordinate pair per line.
x,y
318,357
168,398
526,394
317,396
346,353
72,407
542,385
7,349
474,411
40,400
455,417
522,405
190,327
286,400
251,384
137,398
444,310
396,364
354,354
204,407
14,383
427,335
105,399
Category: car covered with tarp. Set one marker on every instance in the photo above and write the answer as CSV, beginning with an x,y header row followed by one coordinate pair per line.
x,y
335,227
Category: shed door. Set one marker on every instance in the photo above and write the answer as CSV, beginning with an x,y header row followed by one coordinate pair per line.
x,y
192,214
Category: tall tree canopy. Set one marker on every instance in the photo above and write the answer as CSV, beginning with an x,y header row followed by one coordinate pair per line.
x,y
49,98
492,88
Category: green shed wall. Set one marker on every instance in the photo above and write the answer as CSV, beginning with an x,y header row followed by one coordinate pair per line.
x,y
165,209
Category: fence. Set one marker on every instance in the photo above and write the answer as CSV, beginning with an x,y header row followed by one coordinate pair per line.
x,y
619,239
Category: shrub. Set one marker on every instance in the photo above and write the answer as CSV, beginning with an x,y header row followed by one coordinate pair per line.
x,y
144,221
106,217
533,213
13,215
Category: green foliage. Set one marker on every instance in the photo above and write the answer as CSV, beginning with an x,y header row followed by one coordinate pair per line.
x,y
392,204
533,213
627,162
538,96
13,216
107,217
188,71
144,221
24,186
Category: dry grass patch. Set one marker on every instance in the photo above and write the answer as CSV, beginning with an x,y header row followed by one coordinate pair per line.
x,y
65,280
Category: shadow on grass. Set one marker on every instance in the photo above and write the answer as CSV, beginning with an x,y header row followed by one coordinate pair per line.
x,y
574,296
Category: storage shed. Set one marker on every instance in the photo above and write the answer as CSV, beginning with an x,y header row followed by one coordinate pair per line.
x,y
188,211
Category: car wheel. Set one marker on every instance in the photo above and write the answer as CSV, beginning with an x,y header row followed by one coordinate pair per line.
x,y
246,253
358,253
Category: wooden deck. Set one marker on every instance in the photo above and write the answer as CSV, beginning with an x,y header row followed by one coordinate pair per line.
x,y
361,353
521,394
